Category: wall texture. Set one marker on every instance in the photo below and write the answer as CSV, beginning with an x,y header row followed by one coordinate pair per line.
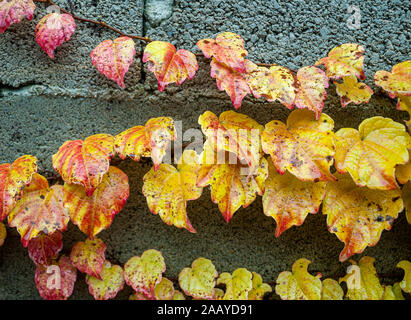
x,y
45,102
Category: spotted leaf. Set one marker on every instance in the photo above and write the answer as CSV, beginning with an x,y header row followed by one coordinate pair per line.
x,y
89,257
397,82
45,248
350,90
111,282
238,285
14,11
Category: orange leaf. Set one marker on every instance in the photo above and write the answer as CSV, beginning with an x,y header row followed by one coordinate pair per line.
x,y
113,58
96,213
13,11
289,200
13,178
344,60
85,162
311,94
56,282
304,146
168,64
233,132
45,248
142,141
358,215
227,48
353,91
89,256
39,210
168,189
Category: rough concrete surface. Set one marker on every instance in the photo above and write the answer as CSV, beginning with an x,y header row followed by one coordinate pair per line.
x,y
45,102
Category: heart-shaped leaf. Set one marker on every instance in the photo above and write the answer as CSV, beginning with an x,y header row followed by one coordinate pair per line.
x,y
238,285
13,11
353,91
45,248
89,256
111,282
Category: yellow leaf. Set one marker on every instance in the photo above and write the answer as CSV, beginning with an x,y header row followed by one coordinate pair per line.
x,y
259,288
199,280
304,146
238,285
358,215
406,197
168,189
344,60
111,282
353,91
164,290
362,281
405,284
404,104
331,290
393,292
398,81
289,200
3,233
298,284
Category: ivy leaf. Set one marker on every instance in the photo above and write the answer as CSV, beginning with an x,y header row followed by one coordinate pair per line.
x,y
276,83
233,132
169,189
89,257
371,153
344,60
3,233
13,11
331,290
259,288
238,285
56,282
304,146
111,282
96,213
230,81
45,248
393,292
165,291
227,48
353,91
298,284
311,85
289,200
232,185
144,273
397,82
114,58
39,210
358,215
405,284
168,64
85,162
199,280
145,141
13,178
362,281
53,30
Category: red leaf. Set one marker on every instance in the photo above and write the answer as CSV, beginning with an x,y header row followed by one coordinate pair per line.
x,y
13,11
45,248
89,256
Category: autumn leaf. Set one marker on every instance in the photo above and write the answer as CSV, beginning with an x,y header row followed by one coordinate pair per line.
x,y
404,104
298,284
169,189
362,281
56,282
232,185
344,60
111,282
350,90
304,146
89,257
231,81
289,200
238,285
13,178
168,64
405,284
165,291
358,215
145,272
53,30
45,248
406,197
371,153
3,233
145,141
96,213
227,48
259,288
276,83
398,81
393,292
311,89
39,210
403,172
331,290
113,58
13,11
233,132
199,280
